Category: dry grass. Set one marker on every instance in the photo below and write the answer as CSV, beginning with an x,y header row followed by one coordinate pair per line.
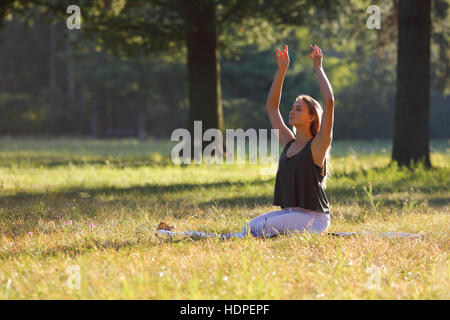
x,y
125,189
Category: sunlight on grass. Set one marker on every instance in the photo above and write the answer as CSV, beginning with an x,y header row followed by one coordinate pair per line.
x,y
95,204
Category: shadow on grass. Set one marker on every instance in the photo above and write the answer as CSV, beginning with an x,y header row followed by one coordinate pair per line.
x,y
341,194
439,202
144,190
179,199
115,162
395,206
90,245
20,210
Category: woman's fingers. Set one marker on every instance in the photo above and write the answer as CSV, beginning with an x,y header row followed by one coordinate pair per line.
x,y
316,51
282,53
313,53
319,51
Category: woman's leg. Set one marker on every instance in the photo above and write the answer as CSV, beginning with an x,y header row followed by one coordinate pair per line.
x,y
250,227
293,221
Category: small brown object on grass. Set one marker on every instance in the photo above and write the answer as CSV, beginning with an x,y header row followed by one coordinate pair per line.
x,y
164,226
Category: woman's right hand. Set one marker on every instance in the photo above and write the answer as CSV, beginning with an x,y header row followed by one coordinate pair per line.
x,y
283,58
316,56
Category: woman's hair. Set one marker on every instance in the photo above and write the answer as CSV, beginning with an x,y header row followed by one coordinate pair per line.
x,y
315,109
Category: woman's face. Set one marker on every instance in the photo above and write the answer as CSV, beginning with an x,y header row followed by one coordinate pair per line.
x,y
299,115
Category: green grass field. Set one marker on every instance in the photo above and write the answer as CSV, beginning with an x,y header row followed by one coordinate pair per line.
x,y
116,192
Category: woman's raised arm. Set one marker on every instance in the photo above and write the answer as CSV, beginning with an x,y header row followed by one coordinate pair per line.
x,y
326,127
323,138
273,100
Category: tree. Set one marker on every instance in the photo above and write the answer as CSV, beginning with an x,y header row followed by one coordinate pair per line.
x,y
395,43
201,29
203,65
412,112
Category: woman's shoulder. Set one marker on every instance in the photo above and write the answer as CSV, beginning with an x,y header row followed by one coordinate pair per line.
x,y
288,144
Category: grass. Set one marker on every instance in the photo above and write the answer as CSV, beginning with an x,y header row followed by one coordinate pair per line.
x,y
123,189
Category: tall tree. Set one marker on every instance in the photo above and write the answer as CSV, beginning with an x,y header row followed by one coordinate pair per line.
x,y
203,65
412,112
52,57
69,68
199,28
404,41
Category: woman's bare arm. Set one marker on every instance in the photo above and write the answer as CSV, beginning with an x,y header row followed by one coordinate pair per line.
x,y
325,135
327,94
273,100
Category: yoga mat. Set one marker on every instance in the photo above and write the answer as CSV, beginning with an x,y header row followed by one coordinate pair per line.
x,y
381,234
198,234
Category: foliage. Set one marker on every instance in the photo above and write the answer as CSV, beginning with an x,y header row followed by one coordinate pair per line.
x,y
359,62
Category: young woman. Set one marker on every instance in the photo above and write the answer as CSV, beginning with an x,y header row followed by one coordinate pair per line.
x,y
302,169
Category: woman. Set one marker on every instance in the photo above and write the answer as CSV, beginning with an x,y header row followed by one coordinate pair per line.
x,y
302,169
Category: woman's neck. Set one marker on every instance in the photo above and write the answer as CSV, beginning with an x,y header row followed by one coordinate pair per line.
x,y
302,136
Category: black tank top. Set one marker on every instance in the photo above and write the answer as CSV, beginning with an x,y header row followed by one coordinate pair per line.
x,y
298,181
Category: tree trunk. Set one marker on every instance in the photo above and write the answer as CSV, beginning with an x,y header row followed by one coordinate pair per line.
x,y
98,119
83,110
52,56
142,134
412,111
69,68
205,101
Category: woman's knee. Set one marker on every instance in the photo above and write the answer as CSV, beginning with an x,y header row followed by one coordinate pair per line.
x,y
322,223
295,223
264,229
318,225
246,229
250,228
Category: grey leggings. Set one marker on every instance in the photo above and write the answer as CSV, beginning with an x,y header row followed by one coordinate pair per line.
x,y
287,220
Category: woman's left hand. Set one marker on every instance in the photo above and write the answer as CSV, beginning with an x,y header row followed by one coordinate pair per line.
x,y
316,56
283,58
